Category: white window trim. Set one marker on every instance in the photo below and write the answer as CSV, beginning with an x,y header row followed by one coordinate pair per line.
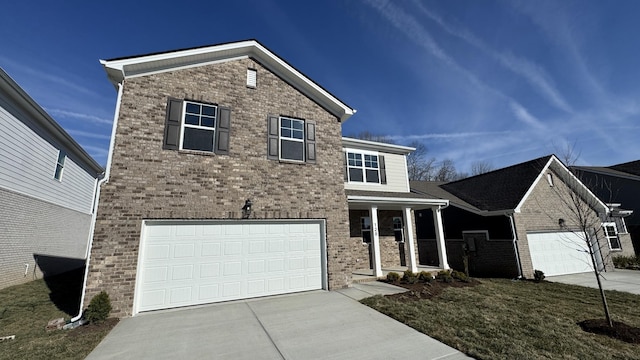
x,y
363,167
280,138
184,125
608,236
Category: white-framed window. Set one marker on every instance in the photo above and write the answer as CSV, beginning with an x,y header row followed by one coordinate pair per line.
x,y
363,167
398,229
611,233
291,139
62,156
198,126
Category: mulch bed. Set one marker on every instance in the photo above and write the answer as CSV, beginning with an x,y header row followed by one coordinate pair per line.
x,y
620,331
91,328
421,290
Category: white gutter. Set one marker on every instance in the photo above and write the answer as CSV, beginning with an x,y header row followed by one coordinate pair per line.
x,y
515,244
388,200
102,181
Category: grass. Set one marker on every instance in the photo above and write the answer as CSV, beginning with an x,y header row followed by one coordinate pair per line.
x,y
26,309
504,319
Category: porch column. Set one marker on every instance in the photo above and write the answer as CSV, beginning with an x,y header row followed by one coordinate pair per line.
x,y
375,239
408,230
442,248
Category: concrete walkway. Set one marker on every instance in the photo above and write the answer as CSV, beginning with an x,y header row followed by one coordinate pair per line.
x,y
619,279
310,325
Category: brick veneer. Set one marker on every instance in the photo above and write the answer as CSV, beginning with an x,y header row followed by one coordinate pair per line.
x,y
148,182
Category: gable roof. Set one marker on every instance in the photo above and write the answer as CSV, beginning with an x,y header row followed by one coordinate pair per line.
x,y
629,170
503,190
632,167
119,69
42,118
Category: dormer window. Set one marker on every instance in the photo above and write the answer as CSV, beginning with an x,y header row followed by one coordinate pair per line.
x,y
363,167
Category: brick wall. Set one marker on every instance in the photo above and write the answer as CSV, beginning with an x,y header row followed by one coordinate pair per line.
x,y
50,239
147,182
541,213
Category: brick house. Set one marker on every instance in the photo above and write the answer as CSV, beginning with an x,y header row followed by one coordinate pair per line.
x,y
512,221
225,181
47,187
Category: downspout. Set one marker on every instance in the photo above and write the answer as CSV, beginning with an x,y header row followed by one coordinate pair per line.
x,y
515,244
103,179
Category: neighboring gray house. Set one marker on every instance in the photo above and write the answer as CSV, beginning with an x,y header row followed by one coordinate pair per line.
x,y
225,181
47,188
512,221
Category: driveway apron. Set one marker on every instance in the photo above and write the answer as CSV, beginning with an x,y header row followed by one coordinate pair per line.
x,y
619,280
311,325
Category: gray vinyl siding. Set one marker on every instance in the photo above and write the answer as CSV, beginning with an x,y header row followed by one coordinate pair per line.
x,y
28,162
397,176
48,238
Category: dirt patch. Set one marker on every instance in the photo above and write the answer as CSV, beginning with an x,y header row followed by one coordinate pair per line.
x,y
92,328
620,330
422,290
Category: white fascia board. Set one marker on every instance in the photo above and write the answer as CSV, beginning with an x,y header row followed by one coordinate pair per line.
x,y
535,182
582,185
120,69
396,201
376,146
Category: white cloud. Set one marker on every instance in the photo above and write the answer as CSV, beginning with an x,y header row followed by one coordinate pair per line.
x,y
71,114
523,115
88,134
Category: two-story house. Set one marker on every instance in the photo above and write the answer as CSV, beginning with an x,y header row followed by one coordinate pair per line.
x,y
225,181
47,187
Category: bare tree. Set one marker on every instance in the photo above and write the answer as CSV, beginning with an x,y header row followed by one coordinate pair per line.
x,y
419,166
569,153
446,171
581,214
480,167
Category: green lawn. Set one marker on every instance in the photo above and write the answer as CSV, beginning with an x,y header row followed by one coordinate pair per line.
x,y
504,319
26,309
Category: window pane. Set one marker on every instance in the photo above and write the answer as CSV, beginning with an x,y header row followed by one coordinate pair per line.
x,y
297,134
198,139
615,243
191,120
371,161
292,150
372,176
355,174
207,121
297,124
58,173
193,108
365,222
285,133
285,123
208,110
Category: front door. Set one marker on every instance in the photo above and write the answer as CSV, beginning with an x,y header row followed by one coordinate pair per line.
x,y
398,232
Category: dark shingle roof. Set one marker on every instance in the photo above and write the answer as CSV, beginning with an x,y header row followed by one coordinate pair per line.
x,y
501,189
632,167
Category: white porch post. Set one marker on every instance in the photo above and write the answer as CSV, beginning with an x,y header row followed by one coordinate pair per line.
x,y
442,248
408,230
375,239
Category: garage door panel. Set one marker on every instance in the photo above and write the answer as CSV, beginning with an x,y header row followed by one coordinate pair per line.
x,y
559,253
190,263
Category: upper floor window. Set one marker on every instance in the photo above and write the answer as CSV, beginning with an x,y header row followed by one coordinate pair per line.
x,y
611,233
362,167
62,156
197,126
291,139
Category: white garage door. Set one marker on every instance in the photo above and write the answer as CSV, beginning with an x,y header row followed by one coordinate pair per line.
x,y
191,263
559,253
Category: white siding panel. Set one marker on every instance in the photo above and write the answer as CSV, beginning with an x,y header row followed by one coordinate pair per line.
x,y
27,165
396,170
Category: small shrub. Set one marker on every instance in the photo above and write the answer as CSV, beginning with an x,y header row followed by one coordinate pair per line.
x,y
444,276
410,277
393,277
425,276
459,275
99,308
538,275
627,262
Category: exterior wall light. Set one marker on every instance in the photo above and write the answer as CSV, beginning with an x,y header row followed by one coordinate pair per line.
x,y
561,222
246,209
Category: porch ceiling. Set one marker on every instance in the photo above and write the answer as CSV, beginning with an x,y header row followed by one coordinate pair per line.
x,y
391,201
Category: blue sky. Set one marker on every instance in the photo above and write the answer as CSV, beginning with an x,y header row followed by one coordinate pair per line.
x,y
495,81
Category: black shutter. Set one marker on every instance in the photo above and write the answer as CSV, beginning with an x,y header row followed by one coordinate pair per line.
x,y
383,171
345,161
172,124
310,141
222,130
272,137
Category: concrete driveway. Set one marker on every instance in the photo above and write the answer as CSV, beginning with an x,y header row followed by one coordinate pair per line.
x,y
620,280
311,325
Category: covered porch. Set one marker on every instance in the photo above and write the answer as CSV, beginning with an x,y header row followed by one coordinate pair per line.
x,y
382,232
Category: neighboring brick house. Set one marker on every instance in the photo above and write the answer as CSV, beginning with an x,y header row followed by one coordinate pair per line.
x,y
47,188
618,185
512,221
225,181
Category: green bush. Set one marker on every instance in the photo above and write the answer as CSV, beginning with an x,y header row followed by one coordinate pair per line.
x,y
410,277
99,308
538,275
627,262
393,277
444,276
459,275
425,276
